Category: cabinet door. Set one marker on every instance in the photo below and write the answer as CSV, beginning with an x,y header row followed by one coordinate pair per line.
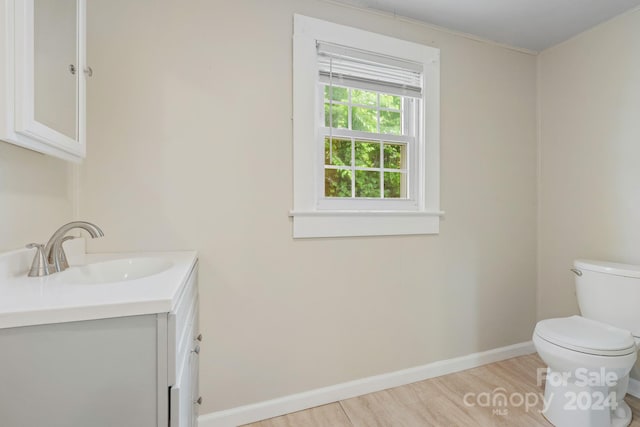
x,y
180,332
183,351
181,414
196,400
195,371
97,373
50,73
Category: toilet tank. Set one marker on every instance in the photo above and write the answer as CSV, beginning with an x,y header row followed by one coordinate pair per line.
x,y
610,293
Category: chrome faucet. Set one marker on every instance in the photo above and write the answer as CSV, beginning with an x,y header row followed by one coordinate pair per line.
x,y
53,249
52,254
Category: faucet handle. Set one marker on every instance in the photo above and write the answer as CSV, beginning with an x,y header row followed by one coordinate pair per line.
x,y
40,266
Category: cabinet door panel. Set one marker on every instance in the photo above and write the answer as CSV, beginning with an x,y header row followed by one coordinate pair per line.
x,y
98,373
180,411
179,333
195,368
195,390
184,408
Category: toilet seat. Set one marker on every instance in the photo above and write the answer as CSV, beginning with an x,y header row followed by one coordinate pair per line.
x,y
586,336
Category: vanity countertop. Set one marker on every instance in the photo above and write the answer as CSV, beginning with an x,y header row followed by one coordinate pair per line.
x,y
26,301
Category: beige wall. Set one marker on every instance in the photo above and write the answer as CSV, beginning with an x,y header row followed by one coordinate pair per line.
x,y
36,196
589,156
190,147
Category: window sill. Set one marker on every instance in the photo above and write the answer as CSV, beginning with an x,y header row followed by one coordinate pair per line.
x,y
363,223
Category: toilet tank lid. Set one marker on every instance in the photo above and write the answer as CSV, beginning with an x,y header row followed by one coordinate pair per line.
x,y
614,268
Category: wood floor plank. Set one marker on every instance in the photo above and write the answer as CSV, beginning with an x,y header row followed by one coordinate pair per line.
x,y
634,403
330,415
394,407
471,394
459,399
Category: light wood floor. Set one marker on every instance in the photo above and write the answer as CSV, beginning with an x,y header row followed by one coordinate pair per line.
x,y
440,402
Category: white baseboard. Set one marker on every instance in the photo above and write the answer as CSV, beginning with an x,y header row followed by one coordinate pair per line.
x,y
634,388
321,396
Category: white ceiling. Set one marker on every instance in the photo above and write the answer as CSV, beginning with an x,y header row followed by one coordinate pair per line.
x,y
529,24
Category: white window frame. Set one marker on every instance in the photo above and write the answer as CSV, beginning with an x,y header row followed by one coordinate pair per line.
x,y
312,215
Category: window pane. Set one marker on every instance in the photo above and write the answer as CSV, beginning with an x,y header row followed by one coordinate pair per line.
x,y
367,184
390,101
395,185
368,154
394,156
364,97
337,152
337,183
390,122
365,119
339,93
339,114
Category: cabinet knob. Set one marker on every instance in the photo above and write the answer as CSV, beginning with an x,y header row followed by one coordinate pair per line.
x,y
88,71
199,337
72,69
196,350
199,401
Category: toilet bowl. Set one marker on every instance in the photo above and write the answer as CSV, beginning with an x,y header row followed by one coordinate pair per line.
x,y
589,357
588,371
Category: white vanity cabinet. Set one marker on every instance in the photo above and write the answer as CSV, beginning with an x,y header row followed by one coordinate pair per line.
x,y
131,371
43,75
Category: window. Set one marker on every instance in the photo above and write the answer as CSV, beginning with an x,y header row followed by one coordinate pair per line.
x,y
365,133
371,106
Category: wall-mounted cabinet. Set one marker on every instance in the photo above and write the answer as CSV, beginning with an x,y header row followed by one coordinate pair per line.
x,y
43,75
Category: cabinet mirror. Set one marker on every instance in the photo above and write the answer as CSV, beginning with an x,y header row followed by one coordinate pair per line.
x,y
45,53
56,65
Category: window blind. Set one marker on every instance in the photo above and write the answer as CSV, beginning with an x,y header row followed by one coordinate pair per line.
x,y
341,65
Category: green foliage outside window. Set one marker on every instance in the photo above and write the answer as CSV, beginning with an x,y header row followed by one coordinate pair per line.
x,y
365,111
366,154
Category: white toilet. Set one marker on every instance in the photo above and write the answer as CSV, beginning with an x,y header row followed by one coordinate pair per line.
x,y
589,358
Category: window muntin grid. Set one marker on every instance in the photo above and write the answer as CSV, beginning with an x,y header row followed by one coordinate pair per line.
x,y
367,150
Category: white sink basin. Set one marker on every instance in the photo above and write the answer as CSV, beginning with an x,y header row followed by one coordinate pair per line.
x,y
119,270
